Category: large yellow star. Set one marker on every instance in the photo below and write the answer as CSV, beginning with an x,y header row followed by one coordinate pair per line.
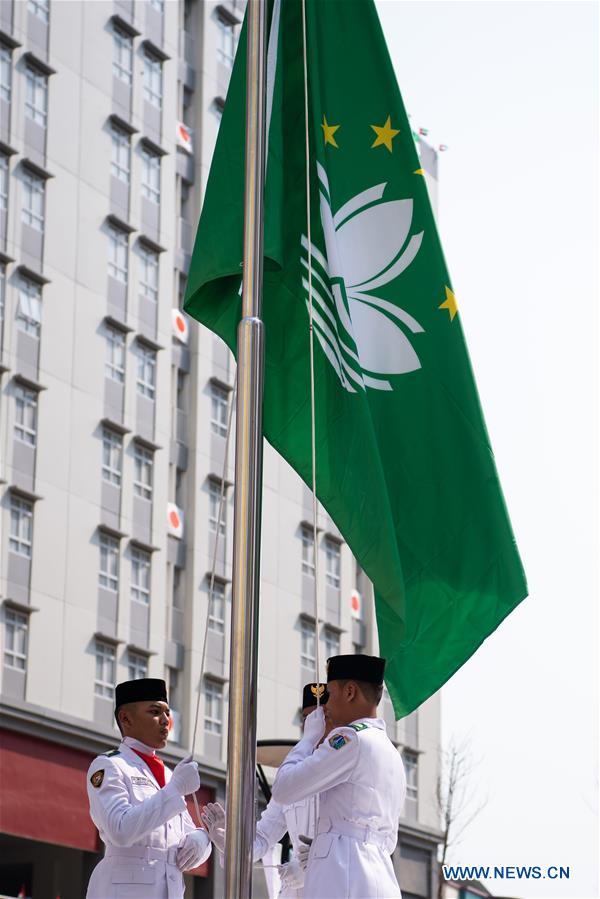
x,y
385,135
449,304
328,132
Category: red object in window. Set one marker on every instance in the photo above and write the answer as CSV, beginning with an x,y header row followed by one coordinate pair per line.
x,y
180,324
174,517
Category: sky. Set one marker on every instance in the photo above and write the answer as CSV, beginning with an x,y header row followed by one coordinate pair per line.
x,y
512,89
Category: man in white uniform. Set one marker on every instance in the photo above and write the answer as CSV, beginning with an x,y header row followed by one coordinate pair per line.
x,y
138,804
360,778
276,820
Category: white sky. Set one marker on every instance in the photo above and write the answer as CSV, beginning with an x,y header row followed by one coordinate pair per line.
x,y
512,89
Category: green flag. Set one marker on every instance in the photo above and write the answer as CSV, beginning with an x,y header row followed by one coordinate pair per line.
x,y
404,463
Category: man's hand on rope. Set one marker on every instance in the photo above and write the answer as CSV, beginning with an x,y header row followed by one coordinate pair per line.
x,y
213,818
292,875
302,849
314,726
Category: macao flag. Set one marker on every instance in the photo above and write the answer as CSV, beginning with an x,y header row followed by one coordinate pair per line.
x,y
404,462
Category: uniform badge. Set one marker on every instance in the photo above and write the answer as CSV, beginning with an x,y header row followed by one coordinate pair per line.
x,y
358,727
317,690
338,741
97,778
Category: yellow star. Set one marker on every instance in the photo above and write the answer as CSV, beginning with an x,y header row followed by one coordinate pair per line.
x,y
385,135
418,172
449,304
328,132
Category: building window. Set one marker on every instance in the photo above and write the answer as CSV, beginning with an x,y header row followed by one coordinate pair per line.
x,y
5,72
158,5
213,709
21,526
15,647
219,410
122,55
115,354
33,201
3,181
143,459
39,8
25,414
226,42
150,175
2,292
308,551
140,576
29,313
104,683
307,644
215,488
118,261
146,371
148,274
109,563
179,487
332,643
112,456
332,563
216,607
181,395
411,767
137,665
152,79
36,96
120,163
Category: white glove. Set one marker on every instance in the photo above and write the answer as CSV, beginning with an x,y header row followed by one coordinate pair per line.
x,y
301,849
213,818
185,778
314,726
194,849
292,875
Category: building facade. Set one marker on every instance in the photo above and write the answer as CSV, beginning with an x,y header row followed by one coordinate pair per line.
x,y
116,482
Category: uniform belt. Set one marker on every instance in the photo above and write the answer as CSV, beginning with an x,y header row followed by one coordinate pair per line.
x,y
355,831
148,853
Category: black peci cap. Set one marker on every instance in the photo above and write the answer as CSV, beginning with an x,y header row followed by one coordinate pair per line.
x,y
356,667
141,690
310,692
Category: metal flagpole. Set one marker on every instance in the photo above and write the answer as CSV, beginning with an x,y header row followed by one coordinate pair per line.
x,y
241,751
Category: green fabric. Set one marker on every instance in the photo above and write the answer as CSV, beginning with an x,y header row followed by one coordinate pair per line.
x,y
404,463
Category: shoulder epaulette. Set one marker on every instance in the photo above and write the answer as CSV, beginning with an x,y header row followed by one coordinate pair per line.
x,y
361,726
112,752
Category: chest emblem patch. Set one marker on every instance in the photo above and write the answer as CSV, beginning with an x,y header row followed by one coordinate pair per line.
x,y
97,778
338,741
141,781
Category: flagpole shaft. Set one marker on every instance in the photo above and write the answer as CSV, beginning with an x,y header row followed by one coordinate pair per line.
x,y
241,752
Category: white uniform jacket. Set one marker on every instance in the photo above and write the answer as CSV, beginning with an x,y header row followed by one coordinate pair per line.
x,y
275,821
141,825
360,777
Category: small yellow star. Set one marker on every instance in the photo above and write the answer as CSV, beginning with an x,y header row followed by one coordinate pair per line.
x,y
418,172
449,304
385,135
328,132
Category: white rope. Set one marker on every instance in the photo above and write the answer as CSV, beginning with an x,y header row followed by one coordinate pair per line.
x,y
312,381
212,584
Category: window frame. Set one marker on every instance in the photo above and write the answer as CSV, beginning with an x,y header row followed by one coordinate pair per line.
x,y
333,551
332,641
149,262
307,636
214,499
307,538
143,471
4,181
219,409
105,653
216,596
150,175
120,167
141,562
137,665
109,549
153,79
20,539
16,624
33,207
36,95
226,43
213,717
40,9
118,244
112,369
5,72
146,366
112,446
25,424
122,66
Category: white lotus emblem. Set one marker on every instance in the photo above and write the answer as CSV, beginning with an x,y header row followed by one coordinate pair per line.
x,y
366,247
